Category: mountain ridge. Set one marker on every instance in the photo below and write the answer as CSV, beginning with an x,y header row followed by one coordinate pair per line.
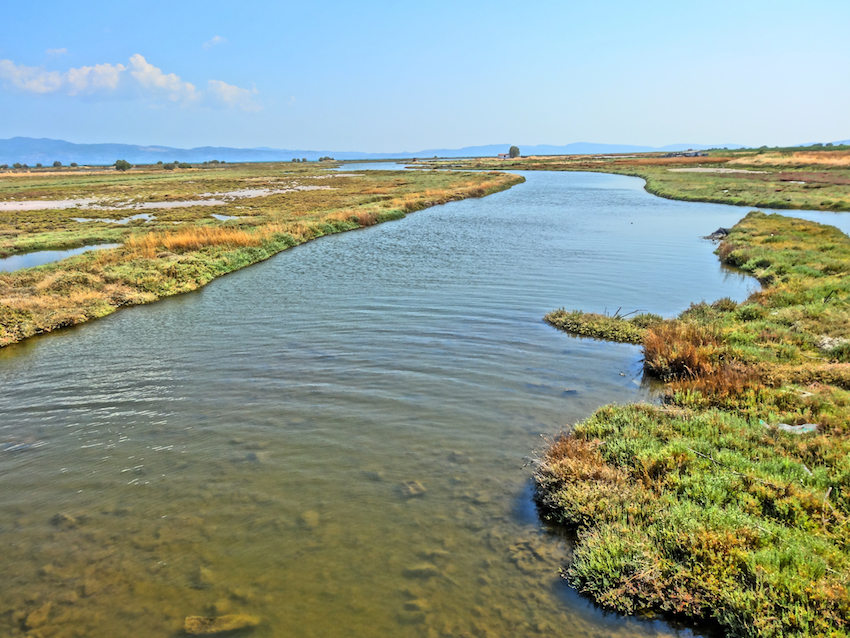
x,y
31,151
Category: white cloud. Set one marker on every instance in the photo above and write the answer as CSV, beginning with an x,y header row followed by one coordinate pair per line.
x,y
232,96
151,77
62,51
215,40
107,79
94,78
31,79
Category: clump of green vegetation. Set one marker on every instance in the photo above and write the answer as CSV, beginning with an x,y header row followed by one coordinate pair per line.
x,y
719,504
620,328
184,248
706,515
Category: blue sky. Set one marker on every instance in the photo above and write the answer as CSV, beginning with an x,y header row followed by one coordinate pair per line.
x,y
406,75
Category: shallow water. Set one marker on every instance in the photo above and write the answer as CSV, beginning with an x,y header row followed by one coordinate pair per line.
x,y
46,204
41,257
336,440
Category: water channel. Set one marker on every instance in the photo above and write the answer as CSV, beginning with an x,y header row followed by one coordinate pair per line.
x,y
336,440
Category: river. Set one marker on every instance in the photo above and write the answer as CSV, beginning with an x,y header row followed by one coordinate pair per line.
x,y
337,440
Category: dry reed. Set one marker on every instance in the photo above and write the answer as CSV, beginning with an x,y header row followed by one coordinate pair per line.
x,y
194,238
681,350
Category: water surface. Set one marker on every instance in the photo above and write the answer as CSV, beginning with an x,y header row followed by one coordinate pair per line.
x,y
337,439
41,257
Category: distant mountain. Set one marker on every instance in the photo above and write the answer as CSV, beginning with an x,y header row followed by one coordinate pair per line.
x,y
27,150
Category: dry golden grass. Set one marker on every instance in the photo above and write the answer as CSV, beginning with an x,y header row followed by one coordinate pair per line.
x,y
580,459
799,158
360,217
681,350
720,383
193,238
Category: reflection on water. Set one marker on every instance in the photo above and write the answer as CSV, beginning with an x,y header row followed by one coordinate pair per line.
x,y
337,439
41,257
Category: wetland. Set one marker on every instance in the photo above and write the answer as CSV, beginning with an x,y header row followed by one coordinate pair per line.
x,y
336,441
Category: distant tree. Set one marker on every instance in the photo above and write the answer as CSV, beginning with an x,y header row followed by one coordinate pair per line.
x,y
122,165
17,165
57,164
168,167
184,165
25,166
514,152
73,165
4,167
38,166
159,163
303,159
294,159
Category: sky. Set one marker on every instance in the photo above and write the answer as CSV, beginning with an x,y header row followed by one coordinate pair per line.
x,y
397,76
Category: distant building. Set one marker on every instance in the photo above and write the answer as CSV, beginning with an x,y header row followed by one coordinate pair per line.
x,y
503,156
688,153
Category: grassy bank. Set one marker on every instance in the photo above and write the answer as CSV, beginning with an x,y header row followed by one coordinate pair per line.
x,y
271,207
793,179
730,501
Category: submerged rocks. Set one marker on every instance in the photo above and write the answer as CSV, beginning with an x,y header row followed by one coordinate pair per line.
x,y
309,520
38,617
209,625
64,521
203,578
421,570
411,489
417,604
718,234
459,457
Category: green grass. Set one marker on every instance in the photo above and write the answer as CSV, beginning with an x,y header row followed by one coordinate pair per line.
x,y
609,328
702,507
707,515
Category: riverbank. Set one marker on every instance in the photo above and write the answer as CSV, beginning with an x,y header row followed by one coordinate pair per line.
x,y
730,501
810,180
181,245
